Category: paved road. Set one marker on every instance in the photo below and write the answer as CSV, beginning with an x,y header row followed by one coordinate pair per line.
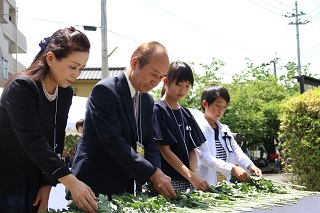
x,y
280,177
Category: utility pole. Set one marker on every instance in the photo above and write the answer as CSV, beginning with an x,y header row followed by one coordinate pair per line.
x,y
297,23
104,45
17,47
274,61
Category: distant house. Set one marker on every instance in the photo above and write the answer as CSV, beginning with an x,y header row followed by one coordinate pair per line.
x,y
89,77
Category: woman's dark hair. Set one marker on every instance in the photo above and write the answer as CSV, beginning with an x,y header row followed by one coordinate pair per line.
x,y
62,43
179,71
212,92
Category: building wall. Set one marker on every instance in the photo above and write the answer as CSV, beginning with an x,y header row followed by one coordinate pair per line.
x,y
12,41
89,77
83,88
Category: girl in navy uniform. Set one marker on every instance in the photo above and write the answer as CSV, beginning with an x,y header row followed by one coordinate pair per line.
x,y
176,132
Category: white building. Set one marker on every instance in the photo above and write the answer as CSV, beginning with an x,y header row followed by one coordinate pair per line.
x,y
12,41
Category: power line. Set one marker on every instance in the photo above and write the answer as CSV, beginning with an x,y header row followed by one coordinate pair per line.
x,y
311,18
314,9
283,4
204,31
272,6
312,52
38,19
175,18
90,29
84,26
316,18
265,8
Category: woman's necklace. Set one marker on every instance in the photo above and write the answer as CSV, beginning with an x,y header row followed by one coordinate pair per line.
x,y
49,96
183,127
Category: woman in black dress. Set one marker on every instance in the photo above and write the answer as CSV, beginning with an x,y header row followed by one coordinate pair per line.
x,y
34,109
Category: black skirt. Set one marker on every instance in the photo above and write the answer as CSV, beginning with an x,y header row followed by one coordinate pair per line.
x,y
21,200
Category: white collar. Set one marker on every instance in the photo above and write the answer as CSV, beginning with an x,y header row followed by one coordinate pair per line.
x,y
132,89
219,124
49,96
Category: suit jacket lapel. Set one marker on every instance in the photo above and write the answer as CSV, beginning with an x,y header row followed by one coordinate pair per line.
x,y
126,101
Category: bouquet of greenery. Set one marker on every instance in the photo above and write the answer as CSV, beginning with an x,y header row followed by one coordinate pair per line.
x,y
222,197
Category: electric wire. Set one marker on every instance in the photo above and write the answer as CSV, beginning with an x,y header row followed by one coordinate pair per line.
x,y
283,4
273,6
206,32
194,27
265,8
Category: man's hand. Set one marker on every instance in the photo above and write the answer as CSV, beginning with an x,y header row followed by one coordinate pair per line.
x,y
162,184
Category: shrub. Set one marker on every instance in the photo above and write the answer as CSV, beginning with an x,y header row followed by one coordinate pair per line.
x,y
300,133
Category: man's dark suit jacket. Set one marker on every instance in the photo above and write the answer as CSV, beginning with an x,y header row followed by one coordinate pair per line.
x,y
106,159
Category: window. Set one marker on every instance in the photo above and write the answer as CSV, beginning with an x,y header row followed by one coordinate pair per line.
x,y
4,64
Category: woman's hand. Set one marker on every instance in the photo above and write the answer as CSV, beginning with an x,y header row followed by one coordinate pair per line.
x,y
81,194
42,198
199,183
196,180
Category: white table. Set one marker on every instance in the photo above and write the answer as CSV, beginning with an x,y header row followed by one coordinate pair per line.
x,y
57,198
306,205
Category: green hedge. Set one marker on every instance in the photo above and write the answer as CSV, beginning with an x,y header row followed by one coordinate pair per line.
x,y
300,133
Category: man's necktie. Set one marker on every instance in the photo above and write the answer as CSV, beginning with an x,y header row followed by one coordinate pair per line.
x,y
135,100
139,146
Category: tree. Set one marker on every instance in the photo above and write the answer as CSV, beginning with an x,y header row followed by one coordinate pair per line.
x,y
253,110
70,141
255,97
254,107
201,79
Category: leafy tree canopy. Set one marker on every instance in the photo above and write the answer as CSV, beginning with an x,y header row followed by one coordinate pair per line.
x,y
255,97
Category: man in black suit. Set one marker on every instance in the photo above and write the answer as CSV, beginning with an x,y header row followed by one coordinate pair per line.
x,y
107,158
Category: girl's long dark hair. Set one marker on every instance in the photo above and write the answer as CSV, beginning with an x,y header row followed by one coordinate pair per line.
x,y
178,71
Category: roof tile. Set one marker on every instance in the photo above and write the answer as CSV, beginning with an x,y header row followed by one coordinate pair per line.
x,y
94,73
